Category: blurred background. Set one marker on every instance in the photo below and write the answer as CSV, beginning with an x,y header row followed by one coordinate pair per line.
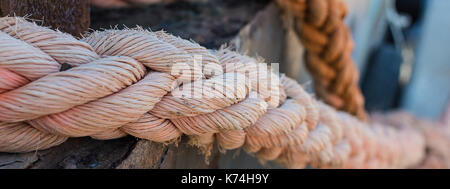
x,y
402,51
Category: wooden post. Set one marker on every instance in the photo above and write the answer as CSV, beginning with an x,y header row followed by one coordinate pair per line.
x,y
71,16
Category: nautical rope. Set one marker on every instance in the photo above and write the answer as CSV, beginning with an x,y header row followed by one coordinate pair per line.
x,y
437,137
155,86
328,43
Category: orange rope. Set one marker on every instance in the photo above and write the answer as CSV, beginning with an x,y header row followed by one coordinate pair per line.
x,y
329,45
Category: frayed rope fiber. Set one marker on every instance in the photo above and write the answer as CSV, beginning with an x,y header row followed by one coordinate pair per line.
x,y
134,82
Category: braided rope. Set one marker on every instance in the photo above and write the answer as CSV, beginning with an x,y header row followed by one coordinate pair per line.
x,y
329,45
144,84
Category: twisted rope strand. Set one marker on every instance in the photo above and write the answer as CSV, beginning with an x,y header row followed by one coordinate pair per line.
x,y
127,89
328,44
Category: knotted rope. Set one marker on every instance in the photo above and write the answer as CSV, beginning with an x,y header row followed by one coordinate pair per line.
x,y
328,45
155,86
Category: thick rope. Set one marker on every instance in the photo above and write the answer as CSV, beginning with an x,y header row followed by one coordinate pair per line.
x,y
437,137
328,43
145,84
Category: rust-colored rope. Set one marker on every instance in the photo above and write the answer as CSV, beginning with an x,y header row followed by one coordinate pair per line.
x,y
154,86
329,45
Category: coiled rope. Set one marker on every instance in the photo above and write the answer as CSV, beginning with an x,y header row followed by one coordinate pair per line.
x,y
142,83
328,43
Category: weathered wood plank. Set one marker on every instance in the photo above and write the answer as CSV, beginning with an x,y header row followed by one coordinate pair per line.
x,y
151,155
74,153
